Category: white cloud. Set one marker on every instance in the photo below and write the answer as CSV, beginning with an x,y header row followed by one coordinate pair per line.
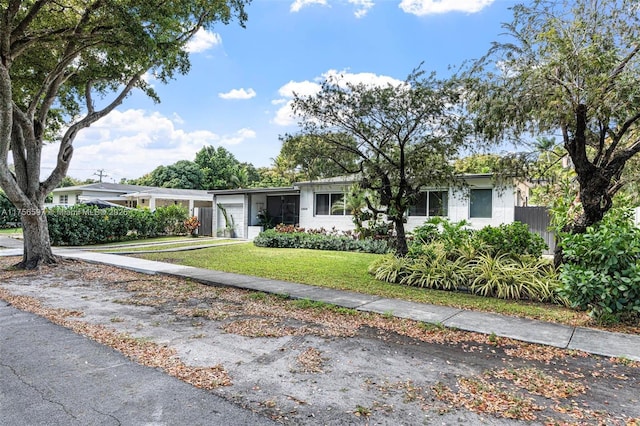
x,y
284,115
238,137
130,143
366,78
300,88
203,40
432,7
362,6
238,94
299,4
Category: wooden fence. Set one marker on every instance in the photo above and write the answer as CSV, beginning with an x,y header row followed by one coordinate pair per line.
x,y
205,216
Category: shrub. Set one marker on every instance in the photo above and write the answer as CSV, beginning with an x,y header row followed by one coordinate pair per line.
x,y
170,219
438,229
81,225
601,272
192,224
318,241
526,278
512,239
390,268
506,278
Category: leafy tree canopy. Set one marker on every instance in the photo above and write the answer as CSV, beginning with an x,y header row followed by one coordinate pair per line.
x,y
221,169
570,69
403,136
315,158
182,174
65,64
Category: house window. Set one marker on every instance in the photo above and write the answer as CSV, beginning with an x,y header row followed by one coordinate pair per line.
x,y
480,203
431,203
330,204
77,198
64,199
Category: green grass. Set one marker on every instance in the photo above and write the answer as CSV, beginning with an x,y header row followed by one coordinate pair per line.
x,y
161,246
10,231
348,271
145,241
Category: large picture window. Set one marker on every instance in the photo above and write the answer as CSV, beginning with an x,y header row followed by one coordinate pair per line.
x,y
480,203
431,203
330,204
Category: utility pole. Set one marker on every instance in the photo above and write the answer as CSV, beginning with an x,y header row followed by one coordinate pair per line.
x,y
100,173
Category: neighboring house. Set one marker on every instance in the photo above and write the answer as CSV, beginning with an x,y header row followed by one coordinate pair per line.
x,y
309,204
131,196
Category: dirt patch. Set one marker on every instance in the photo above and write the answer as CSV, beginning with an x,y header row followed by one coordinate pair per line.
x,y
302,363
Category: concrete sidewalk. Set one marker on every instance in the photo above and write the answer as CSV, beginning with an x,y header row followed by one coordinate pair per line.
x,y
593,341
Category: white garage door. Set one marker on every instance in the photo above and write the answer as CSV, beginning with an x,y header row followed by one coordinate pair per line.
x,y
236,212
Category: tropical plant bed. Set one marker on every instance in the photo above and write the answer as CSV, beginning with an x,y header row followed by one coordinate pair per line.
x,y
348,271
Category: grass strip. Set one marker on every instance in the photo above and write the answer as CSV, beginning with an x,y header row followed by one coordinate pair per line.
x,y
348,271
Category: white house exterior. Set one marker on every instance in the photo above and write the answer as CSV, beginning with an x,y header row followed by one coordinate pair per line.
x,y
131,196
244,205
308,204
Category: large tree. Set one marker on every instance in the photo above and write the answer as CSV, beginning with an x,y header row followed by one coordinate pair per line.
x,y
404,136
65,64
182,174
220,168
315,158
571,69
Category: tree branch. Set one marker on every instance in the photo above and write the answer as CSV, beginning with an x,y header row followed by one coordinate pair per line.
x,y
65,152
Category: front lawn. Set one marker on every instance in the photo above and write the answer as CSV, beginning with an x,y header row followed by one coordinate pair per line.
x,y
11,231
175,244
348,271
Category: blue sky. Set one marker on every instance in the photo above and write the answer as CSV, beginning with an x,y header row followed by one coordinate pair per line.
x,y
242,80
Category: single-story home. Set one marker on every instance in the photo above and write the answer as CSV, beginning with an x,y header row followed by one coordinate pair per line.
x,y
310,204
131,196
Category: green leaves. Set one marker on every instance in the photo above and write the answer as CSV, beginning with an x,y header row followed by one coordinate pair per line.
x,y
601,272
403,135
318,240
80,225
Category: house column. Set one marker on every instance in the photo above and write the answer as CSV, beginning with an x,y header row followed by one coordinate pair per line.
x,y
191,203
152,203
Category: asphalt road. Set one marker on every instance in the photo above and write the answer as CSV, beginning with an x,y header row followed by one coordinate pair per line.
x,y
52,376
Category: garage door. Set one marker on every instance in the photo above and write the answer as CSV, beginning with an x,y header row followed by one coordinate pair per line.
x,y
236,212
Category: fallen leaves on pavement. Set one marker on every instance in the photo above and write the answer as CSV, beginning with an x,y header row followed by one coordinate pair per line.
x,y
514,390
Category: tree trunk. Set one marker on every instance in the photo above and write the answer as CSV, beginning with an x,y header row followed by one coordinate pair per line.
x,y
37,246
595,202
402,247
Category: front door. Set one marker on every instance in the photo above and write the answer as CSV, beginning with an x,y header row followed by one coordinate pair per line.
x,y
284,209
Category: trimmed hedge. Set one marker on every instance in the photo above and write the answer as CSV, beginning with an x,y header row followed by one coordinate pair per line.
x,y
83,225
316,241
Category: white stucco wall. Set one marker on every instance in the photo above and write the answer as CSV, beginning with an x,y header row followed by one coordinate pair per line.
x,y
503,202
308,218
